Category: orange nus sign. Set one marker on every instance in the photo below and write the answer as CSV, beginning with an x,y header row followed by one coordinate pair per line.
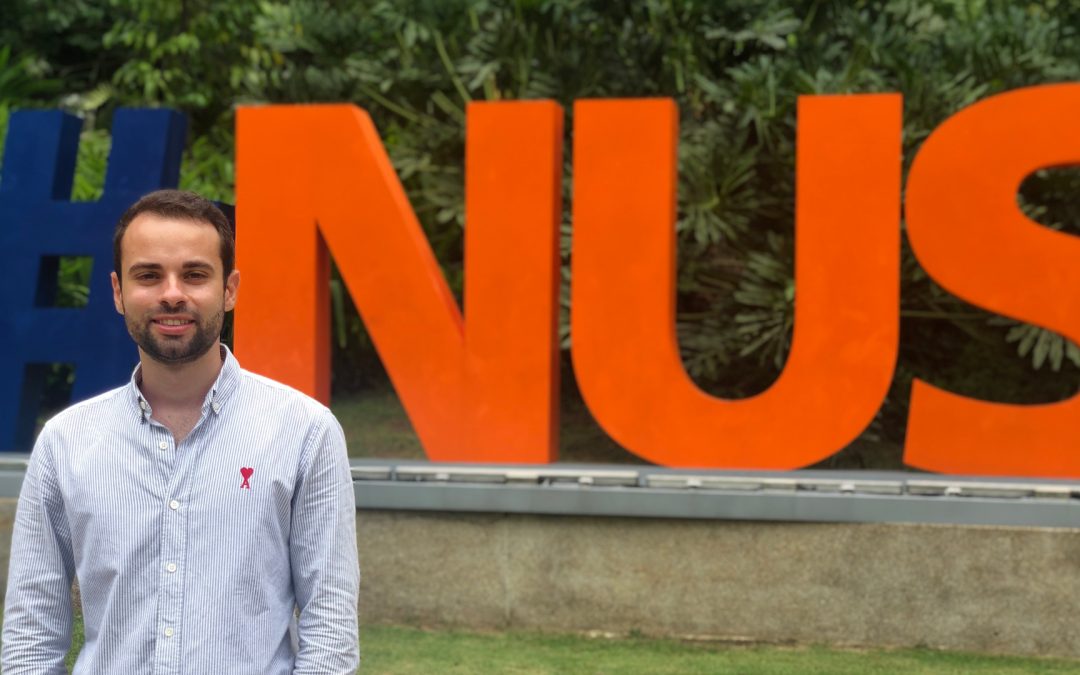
x,y
482,385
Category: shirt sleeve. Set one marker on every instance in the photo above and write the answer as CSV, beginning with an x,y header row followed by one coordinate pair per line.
x,y
37,608
322,551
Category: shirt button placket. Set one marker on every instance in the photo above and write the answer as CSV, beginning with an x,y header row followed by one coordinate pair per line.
x,y
164,450
171,583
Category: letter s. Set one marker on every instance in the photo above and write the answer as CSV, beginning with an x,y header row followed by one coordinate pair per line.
x,y
971,237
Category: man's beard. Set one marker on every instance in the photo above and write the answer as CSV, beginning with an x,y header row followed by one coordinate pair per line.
x,y
174,351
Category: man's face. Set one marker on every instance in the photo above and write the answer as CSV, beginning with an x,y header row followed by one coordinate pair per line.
x,y
173,296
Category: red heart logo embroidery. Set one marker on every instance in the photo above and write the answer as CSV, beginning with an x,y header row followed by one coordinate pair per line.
x,y
246,473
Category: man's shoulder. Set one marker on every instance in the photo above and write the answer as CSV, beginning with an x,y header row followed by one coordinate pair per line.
x,y
86,416
273,393
91,408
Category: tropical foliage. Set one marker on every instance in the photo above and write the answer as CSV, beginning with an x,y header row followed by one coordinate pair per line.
x,y
735,68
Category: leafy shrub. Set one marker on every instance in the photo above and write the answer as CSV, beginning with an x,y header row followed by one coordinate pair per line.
x,y
736,69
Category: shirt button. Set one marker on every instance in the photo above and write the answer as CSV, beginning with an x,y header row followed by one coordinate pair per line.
x,y
163,445
215,406
169,632
171,567
142,404
174,505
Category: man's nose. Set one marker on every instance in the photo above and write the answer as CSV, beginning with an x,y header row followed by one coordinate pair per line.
x,y
172,292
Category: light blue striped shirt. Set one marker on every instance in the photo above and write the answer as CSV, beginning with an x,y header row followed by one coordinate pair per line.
x,y
190,558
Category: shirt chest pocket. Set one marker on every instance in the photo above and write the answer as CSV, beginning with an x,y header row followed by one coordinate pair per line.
x,y
110,515
94,531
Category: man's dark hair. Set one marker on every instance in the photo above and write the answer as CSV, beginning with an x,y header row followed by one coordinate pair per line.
x,y
184,205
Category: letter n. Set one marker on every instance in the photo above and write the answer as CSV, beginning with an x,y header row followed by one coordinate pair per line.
x,y
847,265
481,387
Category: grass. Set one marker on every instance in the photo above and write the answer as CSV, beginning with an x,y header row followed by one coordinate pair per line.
x,y
395,650
405,651
376,426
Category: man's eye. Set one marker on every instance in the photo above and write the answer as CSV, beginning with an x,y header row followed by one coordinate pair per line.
x,y
197,276
145,276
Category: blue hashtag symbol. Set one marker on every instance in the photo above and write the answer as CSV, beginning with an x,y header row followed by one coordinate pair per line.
x,y
39,224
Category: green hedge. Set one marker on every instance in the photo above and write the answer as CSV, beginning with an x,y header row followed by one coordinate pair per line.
x,y
735,69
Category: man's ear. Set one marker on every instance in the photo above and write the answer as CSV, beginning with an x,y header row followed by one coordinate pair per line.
x,y
232,286
117,296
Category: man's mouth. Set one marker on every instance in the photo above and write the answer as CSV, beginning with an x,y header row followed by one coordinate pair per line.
x,y
173,323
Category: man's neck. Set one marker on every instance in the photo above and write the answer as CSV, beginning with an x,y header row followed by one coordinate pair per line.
x,y
179,387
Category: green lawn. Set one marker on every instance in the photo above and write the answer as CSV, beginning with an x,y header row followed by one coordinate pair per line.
x,y
376,426
407,651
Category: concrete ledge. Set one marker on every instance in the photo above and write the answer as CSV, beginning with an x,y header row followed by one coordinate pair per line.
x,y
788,505
655,492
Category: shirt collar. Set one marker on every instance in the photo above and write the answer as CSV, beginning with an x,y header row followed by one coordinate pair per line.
x,y
225,384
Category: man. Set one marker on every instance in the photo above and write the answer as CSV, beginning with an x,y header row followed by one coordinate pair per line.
x,y
199,505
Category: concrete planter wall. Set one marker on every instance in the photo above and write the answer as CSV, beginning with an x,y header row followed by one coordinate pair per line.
x,y
973,588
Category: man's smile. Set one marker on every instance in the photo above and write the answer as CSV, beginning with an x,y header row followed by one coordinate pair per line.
x,y
172,325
